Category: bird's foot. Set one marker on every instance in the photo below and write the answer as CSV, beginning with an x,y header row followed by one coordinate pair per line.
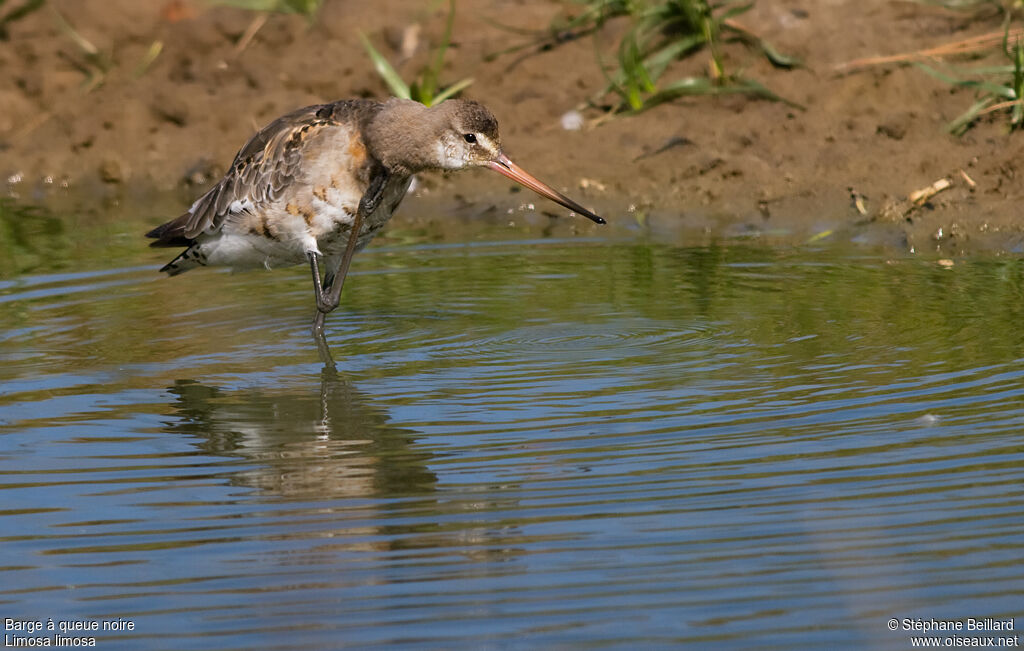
x,y
326,300
326,303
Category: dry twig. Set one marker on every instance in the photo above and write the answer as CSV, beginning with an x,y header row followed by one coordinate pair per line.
x,y
974,44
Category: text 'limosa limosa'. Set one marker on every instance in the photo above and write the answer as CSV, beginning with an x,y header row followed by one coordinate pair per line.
x,y
316,185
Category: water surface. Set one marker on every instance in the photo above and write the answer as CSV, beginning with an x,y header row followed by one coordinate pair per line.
x,y
526,442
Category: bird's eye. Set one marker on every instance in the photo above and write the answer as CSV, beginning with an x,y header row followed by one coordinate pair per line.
x,y
470,138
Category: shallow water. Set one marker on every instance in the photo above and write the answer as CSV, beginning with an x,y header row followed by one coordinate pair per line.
x,y
525,443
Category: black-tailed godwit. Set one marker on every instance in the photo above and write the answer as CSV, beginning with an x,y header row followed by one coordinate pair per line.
x,y
314,186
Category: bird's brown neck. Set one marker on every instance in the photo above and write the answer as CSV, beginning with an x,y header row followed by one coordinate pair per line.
x,y
402,136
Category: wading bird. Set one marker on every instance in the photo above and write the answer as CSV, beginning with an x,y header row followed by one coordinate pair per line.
x,y
314,186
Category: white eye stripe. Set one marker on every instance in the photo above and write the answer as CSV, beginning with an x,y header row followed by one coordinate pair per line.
x,y
486,142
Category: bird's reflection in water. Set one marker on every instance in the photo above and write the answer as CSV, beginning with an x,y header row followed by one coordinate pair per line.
x,y
333,452
308,444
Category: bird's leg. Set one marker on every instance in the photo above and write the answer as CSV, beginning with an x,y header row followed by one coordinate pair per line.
x,y
321,298
368,204
329,299
321,301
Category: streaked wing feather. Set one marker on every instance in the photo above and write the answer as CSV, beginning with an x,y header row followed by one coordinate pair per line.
x,y
260,171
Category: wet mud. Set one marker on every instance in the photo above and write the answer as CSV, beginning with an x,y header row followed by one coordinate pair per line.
x,y
845,165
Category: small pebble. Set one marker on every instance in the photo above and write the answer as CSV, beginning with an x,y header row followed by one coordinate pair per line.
x,y
572,120
110,171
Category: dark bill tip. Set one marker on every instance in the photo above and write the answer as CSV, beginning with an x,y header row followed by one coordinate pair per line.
x,y
504,166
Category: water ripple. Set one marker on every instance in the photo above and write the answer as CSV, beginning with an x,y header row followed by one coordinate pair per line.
x,y
709,447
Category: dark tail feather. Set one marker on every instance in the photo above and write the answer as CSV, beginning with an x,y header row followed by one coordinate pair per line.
x,y
171,234
190,258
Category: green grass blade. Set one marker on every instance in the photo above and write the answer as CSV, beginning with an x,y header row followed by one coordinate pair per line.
x,y
83,43
614,84
733,12
756,88
1017,113
703,86
657,62
1018,70
1006,38
681,88
306,8
398,87
993,89
452,91
988,87
643,79
631,76
250,5
20,12
980,71
429,81
962,123
303,7
776,58
416,94
148,58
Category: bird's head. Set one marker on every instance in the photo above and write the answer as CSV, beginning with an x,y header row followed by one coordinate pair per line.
x,y
469,135
453,135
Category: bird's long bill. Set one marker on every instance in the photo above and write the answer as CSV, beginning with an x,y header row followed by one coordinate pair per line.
x,y
503,165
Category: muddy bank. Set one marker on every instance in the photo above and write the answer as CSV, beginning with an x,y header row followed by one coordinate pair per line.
x,y
703,165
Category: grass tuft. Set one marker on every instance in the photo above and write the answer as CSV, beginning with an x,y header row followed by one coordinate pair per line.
x,y
664,33
661,33
426,88
999,88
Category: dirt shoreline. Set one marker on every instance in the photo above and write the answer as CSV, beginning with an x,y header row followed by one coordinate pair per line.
x,y
703,165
